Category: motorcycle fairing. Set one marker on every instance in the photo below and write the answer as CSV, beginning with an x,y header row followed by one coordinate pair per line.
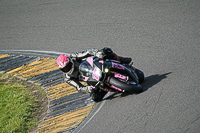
x,y
90,61
115,67
97,73
118,66
91,71
117,75
116,88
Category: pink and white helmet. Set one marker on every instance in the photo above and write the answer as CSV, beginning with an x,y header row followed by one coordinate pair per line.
x,y
65,64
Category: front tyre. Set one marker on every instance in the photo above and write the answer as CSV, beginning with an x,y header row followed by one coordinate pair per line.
x,y
97,94
129,87
140,75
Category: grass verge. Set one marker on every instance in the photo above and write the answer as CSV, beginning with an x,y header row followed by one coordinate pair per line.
x,y
22,105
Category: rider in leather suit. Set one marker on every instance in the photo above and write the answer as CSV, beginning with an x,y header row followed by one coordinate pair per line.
x,y
70,66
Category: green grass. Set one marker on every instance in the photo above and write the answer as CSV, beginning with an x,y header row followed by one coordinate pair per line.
x,y
17,105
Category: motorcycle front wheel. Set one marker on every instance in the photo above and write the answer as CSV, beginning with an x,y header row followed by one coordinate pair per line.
x,y
140,75
128,87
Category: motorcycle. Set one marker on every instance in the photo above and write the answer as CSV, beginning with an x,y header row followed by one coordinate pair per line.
x,y
109,75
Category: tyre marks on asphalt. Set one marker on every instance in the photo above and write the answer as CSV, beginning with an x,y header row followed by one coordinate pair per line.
x,y
67,108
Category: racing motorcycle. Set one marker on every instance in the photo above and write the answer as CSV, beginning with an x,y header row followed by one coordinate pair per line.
x,y
110,75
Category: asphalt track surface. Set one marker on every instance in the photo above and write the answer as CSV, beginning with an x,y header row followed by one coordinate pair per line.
x,y
161,36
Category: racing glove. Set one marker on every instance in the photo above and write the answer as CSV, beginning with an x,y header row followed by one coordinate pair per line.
x,y
85,89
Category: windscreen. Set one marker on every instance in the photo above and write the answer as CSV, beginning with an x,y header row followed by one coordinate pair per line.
x,y
86,69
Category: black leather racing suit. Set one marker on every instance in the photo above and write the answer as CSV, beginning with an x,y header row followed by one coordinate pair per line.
x,y
77,57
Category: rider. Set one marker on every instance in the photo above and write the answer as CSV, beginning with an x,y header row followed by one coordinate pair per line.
x,y
69,65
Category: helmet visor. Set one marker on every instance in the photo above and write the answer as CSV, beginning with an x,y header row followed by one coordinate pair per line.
x,y
67,68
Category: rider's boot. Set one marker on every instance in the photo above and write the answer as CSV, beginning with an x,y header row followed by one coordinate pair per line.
x,y
123,60
111,55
